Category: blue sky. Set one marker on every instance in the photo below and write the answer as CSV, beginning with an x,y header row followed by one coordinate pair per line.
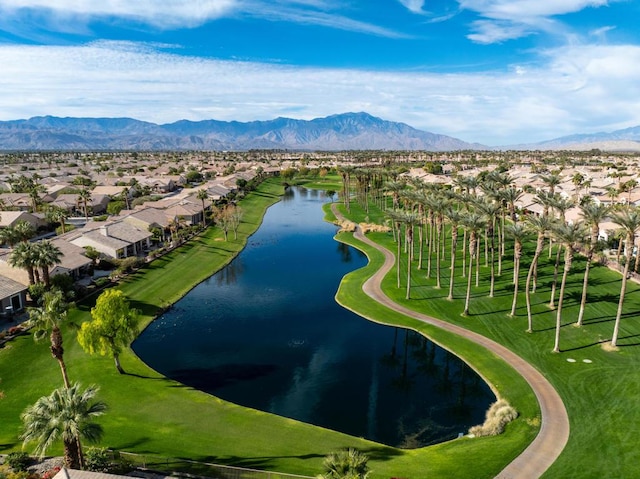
x,y
496,72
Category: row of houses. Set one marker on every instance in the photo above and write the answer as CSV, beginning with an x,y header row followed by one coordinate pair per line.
x,y
128,234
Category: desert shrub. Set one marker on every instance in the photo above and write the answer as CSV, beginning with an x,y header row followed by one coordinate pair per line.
x,y
500,414
18,461
98,459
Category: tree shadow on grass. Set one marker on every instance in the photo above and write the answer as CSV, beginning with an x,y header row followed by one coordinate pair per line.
x,y
10,445
134,444
264,462
146,309
584,346
627,345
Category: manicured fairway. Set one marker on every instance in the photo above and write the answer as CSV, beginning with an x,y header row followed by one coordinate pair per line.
x,y
599,387
150,414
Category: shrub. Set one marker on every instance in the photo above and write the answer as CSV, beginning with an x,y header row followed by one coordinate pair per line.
x,y
22,475
51,473
13,330
498,416
97,459
18,461
63,282
36,291
103,281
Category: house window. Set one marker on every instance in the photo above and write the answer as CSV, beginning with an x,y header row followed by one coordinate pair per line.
x,y
16,302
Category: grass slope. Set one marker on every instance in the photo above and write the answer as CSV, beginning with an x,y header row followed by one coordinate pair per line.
x,y
150,414
598,387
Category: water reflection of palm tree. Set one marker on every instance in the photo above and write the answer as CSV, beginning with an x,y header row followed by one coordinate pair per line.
x,y
404,382
345,252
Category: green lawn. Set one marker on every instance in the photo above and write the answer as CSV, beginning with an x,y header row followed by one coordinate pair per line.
x,y
150,414
600,395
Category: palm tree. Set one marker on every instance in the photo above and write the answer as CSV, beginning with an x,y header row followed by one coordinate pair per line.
x,y
396,219
538,225
629,220
203,196
593,214
23,256
519,233
84,197
490,210
66,414
346,172
578,181
473,222
9,236
24,230
552,180
47,319
561,205
346,464
438,206
454,216
58,215
569,235
46,255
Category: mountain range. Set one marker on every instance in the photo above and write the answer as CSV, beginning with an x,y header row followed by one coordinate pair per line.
x,y
347,131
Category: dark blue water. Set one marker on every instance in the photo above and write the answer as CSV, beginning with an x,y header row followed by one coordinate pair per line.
x,y
265,332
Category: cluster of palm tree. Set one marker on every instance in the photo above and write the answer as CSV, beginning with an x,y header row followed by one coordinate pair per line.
x,y
66,413
36,258
484,208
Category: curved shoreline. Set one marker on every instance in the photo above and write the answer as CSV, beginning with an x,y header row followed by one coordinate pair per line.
x,y
554,428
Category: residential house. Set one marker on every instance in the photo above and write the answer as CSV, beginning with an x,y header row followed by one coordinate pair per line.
x,y
13,296
118,239
16,201
148,218
73,262
8,219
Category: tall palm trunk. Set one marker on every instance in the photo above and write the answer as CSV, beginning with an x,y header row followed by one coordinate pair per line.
x,y
492,250
420,248
454,245
464,253
438,232
568,258
623,291
398,254
532,268
410,241
430,248
587,268
517,253
57,351
556,269
472,252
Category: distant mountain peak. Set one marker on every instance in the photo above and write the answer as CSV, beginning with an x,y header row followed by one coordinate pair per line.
x,y
344,131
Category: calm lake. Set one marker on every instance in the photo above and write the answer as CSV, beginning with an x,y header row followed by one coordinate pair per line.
x,y
265,332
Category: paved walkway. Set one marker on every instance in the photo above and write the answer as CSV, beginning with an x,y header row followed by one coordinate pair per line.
x,y
554,429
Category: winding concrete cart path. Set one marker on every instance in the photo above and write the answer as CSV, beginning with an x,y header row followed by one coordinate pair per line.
x,y
554,429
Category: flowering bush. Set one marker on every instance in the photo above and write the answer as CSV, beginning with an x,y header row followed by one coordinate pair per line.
x,y
51,472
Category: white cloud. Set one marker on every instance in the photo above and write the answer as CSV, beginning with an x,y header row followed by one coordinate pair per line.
x,y
576,89
509,19
166,14
73,15
414,6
